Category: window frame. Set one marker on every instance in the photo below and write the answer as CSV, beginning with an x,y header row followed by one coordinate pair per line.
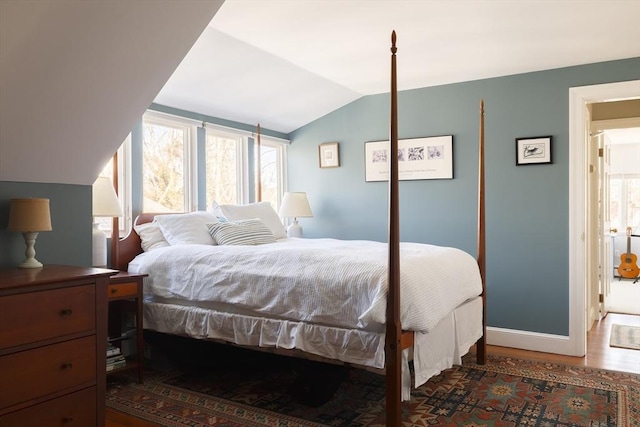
x,y
189,153
242,160
130,164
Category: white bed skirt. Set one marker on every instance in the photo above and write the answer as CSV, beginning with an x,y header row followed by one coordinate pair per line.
x,y
434,351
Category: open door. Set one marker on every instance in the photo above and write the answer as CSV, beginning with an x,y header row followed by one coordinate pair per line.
x,y
592,240
605,266
599,266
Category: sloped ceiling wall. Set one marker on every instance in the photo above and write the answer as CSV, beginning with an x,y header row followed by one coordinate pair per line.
x,y
75,76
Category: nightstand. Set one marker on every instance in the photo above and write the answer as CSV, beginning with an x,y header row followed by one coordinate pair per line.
x,y
125,344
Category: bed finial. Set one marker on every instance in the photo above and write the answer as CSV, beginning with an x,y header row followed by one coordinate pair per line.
x,y
394,49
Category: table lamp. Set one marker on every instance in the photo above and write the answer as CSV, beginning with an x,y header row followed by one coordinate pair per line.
x,y
295,205
105,204
30,216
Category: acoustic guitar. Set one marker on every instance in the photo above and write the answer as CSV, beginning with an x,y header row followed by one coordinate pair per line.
x,y
628,267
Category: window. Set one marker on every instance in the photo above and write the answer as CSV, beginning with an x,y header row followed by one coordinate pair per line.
x,y
272,160
223,181
227,162
624,192
166,168
181,167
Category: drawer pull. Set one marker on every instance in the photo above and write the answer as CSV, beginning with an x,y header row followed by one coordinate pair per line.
x,y
114,290
67,365
66,312
67,420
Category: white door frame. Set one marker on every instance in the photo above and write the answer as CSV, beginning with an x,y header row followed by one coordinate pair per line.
x,y
579,97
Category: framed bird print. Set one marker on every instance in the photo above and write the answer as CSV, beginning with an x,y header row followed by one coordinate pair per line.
x,y
533,151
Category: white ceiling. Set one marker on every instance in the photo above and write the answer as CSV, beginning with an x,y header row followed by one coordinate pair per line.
x,y
284,63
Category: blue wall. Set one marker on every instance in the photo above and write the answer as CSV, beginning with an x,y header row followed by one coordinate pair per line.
x,y
527,206
70,240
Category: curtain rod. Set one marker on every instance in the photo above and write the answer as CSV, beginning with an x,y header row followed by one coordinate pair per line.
x,y
244,132
205,124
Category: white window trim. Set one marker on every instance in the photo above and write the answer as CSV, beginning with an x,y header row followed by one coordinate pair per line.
x,y
242,190
190,177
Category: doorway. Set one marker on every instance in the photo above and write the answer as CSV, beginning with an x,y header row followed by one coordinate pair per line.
x,y
614,207
579,295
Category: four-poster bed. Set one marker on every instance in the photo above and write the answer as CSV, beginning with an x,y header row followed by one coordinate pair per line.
x,y
381,341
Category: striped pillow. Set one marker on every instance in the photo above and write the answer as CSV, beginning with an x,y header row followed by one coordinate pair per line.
x,y
242,232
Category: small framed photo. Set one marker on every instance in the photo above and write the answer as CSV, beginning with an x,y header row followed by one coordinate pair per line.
x,y
328,154
533,151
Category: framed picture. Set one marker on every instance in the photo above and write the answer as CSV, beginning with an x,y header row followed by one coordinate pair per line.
x,y
418,158
533,151
328,153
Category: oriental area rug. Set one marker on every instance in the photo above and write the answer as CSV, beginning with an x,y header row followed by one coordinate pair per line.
x,y
267,390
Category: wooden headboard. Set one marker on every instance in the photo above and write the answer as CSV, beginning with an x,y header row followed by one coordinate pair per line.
x,y
129,246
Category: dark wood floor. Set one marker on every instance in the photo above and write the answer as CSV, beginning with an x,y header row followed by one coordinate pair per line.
x,y
599,355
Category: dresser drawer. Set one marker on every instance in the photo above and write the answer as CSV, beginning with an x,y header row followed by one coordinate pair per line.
x,y
36,316
34,373
119,290
75,409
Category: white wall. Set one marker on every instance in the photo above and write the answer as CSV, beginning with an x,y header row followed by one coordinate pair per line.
x,y
76,75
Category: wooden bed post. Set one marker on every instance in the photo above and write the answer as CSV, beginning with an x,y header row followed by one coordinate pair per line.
x,y
258,168
393,348
481,345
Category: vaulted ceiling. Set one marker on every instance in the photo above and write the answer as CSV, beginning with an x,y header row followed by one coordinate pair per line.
x,y
284,63
76,76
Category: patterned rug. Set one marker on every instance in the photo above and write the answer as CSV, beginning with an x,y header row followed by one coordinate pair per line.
x,y
266,390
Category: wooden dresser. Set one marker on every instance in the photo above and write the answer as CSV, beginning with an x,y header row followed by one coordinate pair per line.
x,y
53,338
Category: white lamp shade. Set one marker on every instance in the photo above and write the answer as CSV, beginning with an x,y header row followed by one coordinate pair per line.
x,y
295,205
105,200
105,203
29,215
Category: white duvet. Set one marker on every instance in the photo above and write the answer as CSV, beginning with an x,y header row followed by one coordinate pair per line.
x,y
321,281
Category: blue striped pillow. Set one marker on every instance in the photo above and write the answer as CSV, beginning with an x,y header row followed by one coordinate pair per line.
x,y
242,232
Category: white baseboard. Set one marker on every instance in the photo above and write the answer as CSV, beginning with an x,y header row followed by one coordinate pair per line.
x,y
533,341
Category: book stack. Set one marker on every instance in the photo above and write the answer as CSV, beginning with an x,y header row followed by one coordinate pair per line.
x,y
115,359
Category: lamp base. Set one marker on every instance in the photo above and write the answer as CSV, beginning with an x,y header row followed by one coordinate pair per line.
x,y
30,263
294,230
99,246
30,240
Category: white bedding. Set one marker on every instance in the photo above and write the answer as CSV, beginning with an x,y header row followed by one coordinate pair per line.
x,y
322,296
433,351
321,281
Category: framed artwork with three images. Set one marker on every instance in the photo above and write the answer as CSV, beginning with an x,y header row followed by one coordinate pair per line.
x,y
418,158
328,154
533,151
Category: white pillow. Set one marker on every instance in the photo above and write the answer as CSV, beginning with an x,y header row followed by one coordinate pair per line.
x,y
187,228
243,232
151,236
260,210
